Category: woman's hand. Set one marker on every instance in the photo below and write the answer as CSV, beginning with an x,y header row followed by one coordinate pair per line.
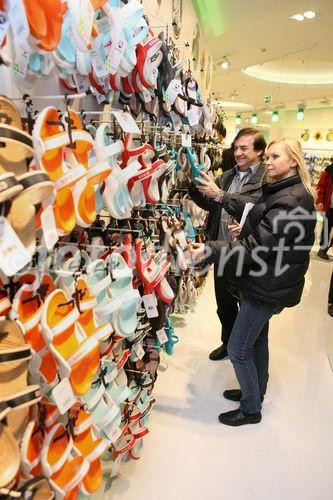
x,y
197,250
235,229
320,207
207,186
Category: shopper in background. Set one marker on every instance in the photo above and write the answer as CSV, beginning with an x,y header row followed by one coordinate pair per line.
x,y
265,287
330,298
325,204
225,200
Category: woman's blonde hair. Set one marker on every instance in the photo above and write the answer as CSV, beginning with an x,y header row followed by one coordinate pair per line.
x,y
293,149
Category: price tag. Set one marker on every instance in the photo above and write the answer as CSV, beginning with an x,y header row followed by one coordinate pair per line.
x,y
186,140
146,95
176,121
49,227
121,273
172,91
98,65
127,122
4,23
100,98
150,303
13,254
21,62
115,467
193,116
138,350
18,21
81,82
63,396
113,432
116,53
162,336
106,85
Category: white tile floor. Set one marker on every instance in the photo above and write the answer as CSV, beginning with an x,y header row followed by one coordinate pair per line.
x,y
189,455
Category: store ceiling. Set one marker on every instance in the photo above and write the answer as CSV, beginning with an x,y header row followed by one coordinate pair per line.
x,y
260,40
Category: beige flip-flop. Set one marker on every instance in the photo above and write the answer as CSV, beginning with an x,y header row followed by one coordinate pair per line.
x,y
14,357
29,188
37,488
17,146
9,456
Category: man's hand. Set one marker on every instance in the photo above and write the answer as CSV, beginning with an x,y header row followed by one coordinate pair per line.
x,y
207,186
197,251
235,229
320,207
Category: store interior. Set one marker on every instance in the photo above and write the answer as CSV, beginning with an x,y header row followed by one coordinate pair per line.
x,y
109,111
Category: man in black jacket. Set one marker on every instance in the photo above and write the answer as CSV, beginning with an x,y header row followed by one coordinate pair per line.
x,y
225,200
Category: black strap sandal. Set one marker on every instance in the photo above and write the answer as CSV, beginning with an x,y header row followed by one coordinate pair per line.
x,y
36,488
28,397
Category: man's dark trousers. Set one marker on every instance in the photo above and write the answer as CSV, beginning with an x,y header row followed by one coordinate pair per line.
x,y
227,305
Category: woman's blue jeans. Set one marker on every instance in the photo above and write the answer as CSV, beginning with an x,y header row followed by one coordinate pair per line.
x,y
248,351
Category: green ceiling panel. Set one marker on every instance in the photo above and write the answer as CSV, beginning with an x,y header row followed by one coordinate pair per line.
x,y
209,13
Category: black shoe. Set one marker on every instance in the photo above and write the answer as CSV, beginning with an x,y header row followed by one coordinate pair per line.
x,y
219,353
238,417
235,395
323,255
330,309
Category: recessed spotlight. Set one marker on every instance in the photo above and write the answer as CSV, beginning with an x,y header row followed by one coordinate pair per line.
x,y
225,63
275,116
297,17
254,118
309,14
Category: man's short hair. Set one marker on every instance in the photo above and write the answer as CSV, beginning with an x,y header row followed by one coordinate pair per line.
x,y
259,143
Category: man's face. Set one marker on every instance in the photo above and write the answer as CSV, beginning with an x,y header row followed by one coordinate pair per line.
x,y
244,153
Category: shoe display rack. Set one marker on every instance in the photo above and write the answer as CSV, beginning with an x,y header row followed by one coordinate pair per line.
x,y
96,225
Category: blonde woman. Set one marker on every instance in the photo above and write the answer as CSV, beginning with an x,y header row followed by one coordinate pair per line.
x,y
265,267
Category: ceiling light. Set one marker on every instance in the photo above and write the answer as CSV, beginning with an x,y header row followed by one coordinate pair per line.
x,y
238,119
225,63
254,118
275,116
309,14
300,114
297,17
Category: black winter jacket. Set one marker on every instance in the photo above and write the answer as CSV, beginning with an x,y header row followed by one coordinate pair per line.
x,y
233,203
284,216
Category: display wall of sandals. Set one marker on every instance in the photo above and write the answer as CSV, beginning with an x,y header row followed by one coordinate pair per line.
x,y
95,228
106,48
94,269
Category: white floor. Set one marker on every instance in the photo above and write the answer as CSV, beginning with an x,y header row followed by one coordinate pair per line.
x,y
189,455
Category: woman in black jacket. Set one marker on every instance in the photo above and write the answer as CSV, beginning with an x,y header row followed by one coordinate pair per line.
x,y
266,267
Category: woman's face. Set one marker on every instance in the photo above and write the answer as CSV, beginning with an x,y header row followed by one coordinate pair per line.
x,y
278,164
